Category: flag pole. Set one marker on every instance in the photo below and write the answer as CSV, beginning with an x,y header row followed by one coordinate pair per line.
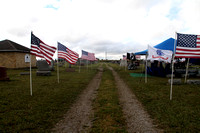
x,y
91,65
80,66
143,67
65,63
146,70
173,66
31,85
87,65
57,67
172,77
186,73
125,64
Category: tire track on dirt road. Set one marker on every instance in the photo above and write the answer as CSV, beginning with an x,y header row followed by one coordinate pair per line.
x,y
138,120
77,119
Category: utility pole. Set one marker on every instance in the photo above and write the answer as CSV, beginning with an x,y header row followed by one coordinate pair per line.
x,y
106,55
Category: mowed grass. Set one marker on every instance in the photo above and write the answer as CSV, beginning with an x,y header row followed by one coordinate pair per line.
x,y
181,114
108,115
20,112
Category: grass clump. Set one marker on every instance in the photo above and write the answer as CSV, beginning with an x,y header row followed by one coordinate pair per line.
x,y
108,113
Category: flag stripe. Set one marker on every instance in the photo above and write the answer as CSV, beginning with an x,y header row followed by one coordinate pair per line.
x,y
188,53
46,52
35,50
187,56
65,55
187,49
48,49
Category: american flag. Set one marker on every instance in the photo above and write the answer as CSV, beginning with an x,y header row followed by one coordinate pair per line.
x,y
67,54
92,55
188,46
124,57
88,56
42,50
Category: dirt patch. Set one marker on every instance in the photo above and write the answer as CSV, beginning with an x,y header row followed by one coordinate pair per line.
x,y
77,119
137,119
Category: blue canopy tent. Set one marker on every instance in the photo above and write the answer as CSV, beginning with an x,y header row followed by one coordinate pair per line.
x,y
154,69
166,45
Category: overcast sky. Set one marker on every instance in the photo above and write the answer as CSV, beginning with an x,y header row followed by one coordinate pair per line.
x,y
97,26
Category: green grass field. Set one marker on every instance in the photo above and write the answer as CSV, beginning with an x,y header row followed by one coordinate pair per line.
x,y
181,114
108,116
20,112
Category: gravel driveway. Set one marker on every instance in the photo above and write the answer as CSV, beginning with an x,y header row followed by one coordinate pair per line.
x,y
79,117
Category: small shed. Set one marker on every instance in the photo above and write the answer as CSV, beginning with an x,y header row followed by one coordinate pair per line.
x,y
14,55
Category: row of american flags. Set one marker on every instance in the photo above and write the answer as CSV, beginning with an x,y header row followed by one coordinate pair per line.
x,y
187,46
42,50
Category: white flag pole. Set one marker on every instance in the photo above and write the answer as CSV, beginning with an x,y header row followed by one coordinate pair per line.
x,y
65,63
173,66
172,77
58,68
31,85
125,62
80,66
87,65
186,73
91,65
143,67
146,70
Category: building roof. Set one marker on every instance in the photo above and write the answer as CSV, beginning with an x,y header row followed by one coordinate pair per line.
x,y
10,46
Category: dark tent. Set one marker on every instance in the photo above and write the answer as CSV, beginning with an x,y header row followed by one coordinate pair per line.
x,y
166,45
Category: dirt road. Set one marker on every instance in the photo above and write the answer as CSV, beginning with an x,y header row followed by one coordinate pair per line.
x,y
137,119
79,117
